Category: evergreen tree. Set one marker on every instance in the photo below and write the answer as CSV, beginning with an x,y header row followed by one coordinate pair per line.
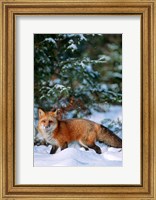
x,y
77,72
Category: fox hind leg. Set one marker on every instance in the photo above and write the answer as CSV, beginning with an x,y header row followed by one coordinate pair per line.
x,y
92,146
89,142
96,148
53,149
86,148
83,145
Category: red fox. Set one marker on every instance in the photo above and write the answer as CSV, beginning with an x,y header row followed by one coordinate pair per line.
x,y
60,133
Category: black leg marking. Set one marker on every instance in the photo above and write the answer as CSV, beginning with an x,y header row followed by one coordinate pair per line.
x,y
96,148
53,149
65,145
86,148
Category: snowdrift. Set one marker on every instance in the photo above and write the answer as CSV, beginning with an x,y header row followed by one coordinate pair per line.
x,y
75,155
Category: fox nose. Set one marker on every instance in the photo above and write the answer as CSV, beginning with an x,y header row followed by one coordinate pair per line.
x,y
47,126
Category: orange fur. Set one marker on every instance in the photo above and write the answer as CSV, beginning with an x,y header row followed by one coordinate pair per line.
x,y
60,133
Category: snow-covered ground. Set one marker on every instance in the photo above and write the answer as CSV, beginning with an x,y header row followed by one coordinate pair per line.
x,y
75,155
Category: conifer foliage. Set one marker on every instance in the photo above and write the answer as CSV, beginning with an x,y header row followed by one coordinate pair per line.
x,y
77,73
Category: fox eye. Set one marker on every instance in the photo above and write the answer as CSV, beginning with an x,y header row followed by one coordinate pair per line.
x,y
43,121
50,121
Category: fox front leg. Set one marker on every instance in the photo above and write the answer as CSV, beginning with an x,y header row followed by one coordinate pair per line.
x,y
53,149
64,146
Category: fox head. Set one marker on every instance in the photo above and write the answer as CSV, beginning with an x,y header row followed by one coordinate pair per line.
x,y
47,121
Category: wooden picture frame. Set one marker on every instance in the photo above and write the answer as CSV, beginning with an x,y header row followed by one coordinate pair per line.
x,y
146,9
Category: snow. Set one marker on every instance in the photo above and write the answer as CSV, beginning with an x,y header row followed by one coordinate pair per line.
x,y
51,40
82,37
75,155
104,57
59,86
73,47
113,113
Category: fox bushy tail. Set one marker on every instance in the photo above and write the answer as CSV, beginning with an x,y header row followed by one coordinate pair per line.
x,y
108,137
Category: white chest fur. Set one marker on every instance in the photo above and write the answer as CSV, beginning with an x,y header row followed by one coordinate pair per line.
x,y
48,135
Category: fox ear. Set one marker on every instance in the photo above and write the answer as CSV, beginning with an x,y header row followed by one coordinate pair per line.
x,y
41,113
56,113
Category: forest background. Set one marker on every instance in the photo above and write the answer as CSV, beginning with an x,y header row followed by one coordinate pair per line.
x,y
80,74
